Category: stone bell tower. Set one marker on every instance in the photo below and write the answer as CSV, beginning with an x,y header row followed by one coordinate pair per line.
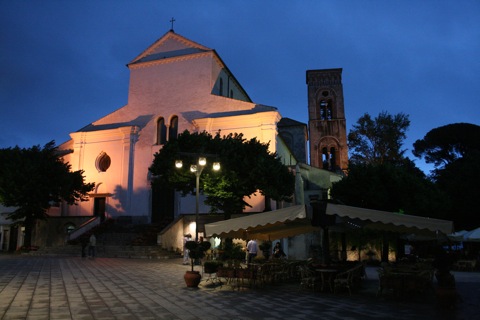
x,y
326,120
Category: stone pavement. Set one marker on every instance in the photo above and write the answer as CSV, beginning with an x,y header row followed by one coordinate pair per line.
x,y
41,287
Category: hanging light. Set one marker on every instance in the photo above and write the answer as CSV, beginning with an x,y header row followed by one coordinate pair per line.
x,y
202,161
193,168
178,164
216,166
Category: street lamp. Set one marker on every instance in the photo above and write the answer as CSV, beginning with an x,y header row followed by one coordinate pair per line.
x,y
197,169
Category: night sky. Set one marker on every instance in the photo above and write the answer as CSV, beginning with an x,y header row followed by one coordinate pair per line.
x,y
63,63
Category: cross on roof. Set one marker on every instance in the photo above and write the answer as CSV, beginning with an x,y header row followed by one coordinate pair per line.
x,y
172,21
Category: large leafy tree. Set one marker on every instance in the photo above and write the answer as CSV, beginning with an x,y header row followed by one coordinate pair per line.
x,y
378,140
391,187
454,150
444,145
246,166
32,179
381,177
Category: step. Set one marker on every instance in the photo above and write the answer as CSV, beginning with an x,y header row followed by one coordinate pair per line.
x,y
110,251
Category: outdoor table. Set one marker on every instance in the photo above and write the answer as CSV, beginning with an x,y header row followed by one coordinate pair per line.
x,y
327,276
465,265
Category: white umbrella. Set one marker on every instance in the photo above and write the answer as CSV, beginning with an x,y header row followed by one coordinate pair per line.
x,y
472,236
457,236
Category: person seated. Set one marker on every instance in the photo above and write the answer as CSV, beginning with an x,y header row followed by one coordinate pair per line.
x,y
278,252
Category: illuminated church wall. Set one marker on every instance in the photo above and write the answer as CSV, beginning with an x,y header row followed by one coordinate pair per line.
x,y
260,125
175,77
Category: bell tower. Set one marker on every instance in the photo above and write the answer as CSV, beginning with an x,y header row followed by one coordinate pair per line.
x,y
326,120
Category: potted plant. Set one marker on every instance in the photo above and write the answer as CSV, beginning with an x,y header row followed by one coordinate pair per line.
x,y
232,253
212,266
259,259
196,250
265,246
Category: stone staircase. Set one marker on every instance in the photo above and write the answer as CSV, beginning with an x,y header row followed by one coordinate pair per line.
x,y
116,241
110,251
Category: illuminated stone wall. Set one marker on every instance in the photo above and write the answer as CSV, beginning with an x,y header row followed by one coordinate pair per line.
x,y
175,77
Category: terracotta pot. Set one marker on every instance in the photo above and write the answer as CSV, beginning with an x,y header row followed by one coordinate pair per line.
x,y
192,278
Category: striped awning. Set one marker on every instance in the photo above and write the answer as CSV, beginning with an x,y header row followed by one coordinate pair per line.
x,y
271,225
384,220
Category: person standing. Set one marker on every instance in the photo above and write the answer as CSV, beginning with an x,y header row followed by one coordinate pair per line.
x,y
84,244
277,251
186,237
252,250
92,246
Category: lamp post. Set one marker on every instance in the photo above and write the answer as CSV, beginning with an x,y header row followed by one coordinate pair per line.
x,y
197,169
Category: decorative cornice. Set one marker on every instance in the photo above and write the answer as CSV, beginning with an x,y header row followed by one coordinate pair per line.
x,y
169,35
326,77
138,65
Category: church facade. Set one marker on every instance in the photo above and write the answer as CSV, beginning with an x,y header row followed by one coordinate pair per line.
x,y
175,84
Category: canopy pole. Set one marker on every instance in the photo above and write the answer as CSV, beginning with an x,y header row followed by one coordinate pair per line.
x,y
344,246
384,247
326,246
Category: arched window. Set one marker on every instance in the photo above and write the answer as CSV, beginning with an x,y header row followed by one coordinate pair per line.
x,y
173,129
161,131
323,110
333,159
326,105
329,110
326,111
221,87
329,158
325,158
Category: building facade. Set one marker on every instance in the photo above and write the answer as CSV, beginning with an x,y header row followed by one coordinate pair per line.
x,y
175,84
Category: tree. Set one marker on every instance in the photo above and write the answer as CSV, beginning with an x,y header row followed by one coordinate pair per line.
x,y
246,166
390,187
444,145
454,150
459,180
380,177
378,140
33,179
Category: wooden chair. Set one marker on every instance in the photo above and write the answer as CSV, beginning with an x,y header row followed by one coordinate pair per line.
x,y
280,272
344,280
308,280
265,274
244,277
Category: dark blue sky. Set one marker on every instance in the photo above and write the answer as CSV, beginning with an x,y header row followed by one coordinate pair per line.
x,y
62,63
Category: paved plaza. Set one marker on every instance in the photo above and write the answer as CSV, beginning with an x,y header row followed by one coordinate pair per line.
x,y
42,287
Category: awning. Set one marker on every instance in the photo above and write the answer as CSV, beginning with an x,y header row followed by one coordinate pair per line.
x,y
271,225
390,221
472,236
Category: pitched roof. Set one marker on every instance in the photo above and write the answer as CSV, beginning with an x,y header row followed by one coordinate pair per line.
x,y
168,46
172,45
288,122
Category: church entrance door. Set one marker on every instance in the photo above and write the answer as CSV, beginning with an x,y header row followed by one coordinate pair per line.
x,y
99,208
